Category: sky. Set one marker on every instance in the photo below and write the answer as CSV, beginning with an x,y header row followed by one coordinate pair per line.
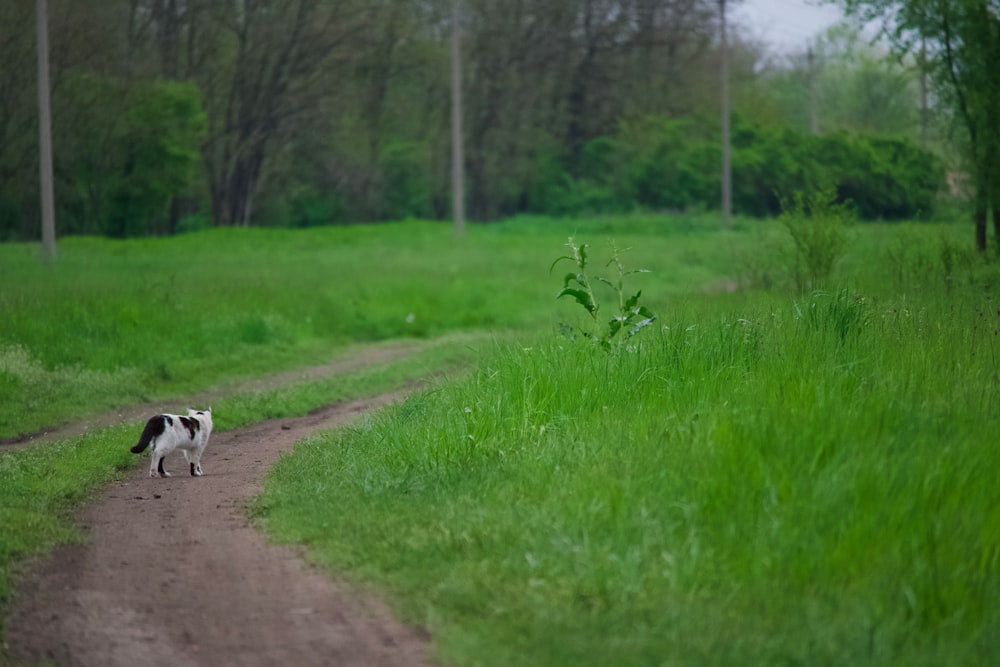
x,y
785,24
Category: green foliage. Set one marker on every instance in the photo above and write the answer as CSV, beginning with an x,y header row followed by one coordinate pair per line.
x,y
9,217
630,317
887,179
959,46
675,164
767,165
882,178
817,226
354,132
850,84
407,181
161,141
122,158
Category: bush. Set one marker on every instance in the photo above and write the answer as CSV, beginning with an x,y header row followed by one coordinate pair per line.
x,y
161,143
675,164
404,166
817,226
767,167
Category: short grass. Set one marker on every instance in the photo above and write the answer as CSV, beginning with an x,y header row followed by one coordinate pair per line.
x,y
765,479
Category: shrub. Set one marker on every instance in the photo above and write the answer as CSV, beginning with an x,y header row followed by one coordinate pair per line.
x,y
817,226
161,150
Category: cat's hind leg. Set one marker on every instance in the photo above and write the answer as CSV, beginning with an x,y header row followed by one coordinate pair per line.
x,y
156,463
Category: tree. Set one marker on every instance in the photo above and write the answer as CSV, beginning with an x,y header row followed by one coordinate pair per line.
x,y
18,123
160,142
863,88
548,77
279,72
961,39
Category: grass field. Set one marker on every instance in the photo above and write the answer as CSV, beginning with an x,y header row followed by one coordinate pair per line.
x,y
758,487
764,476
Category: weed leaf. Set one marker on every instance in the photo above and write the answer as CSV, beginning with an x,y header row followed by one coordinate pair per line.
x,y
581,297
632,301
638,326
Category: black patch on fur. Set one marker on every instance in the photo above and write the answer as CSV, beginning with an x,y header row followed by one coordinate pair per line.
x,y
160,466
192,425
192,470
154,428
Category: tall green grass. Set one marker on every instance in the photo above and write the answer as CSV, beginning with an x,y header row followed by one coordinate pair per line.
x,y
764,480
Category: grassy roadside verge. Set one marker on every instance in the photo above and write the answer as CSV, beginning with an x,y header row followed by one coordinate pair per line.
x,y
778,481
41,485
118,323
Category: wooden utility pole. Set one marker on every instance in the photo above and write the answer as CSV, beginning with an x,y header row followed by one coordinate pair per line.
x,y
923,92
45,135
727,171
457,148
813,102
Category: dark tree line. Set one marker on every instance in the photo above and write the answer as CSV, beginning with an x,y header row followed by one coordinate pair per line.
x,y
174,114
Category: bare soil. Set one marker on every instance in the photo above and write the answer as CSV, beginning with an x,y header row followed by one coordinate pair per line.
x,y
172,573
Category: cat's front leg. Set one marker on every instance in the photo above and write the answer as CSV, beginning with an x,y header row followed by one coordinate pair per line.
x,y
195,462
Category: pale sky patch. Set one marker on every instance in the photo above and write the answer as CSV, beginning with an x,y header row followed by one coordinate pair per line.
x,y
787,25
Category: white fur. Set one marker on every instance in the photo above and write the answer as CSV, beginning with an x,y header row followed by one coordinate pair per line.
x,y
178,435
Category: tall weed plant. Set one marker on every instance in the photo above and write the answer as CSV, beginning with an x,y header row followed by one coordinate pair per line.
x,y
818,229
630,317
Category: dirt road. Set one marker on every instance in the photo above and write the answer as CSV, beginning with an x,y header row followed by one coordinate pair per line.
x,y
171,573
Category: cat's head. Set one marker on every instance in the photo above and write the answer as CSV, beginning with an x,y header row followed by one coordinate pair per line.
x,y
201,415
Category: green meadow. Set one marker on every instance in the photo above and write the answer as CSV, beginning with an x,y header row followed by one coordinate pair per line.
x,y
787,466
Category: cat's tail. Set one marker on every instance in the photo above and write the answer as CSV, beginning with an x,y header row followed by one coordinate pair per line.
x,y
154,427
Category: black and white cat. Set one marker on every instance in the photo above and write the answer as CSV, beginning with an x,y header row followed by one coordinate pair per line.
x,y
169,432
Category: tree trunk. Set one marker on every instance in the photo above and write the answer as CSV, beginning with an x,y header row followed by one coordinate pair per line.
x,y
232,199
173,215
979,216
996,223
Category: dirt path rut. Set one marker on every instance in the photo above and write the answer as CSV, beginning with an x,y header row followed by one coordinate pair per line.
x,y
172,573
